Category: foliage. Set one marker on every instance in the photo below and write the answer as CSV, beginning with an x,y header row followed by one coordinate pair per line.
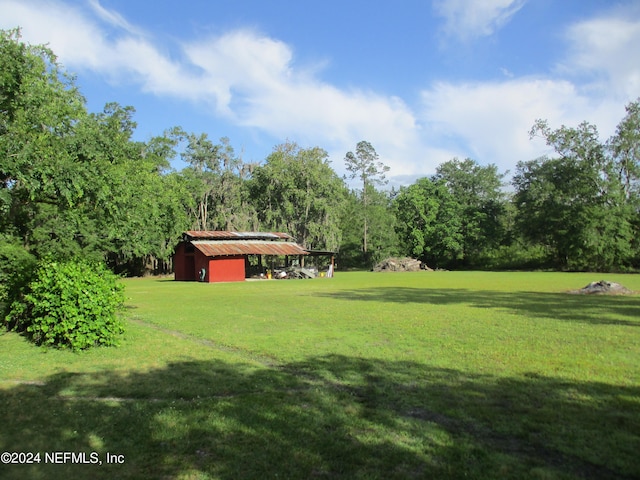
x,y
365,166
77,184
625,150
73,305
203,158
429,222
16,267
73,183
482,206
517,255
575,204
134,209
624,147
382,238
381,223
39,108
217,179
233,207
297,191
351,221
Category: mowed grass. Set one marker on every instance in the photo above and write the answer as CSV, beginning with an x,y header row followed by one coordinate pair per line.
x,y
367,375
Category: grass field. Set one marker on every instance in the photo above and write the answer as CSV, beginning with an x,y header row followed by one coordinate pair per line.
x,y
388,375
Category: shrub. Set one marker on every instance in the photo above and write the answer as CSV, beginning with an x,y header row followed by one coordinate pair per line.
x,y
16,268
74,305
517,256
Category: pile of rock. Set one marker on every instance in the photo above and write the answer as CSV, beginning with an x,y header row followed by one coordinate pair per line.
x,y
396,264
603,287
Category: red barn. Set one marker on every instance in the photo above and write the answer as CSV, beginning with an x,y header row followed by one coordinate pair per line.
x,y
222,256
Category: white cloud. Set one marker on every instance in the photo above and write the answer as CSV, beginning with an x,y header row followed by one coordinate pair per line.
x,y
257,84
467,19
491,121
606,51
113,18
238,65
82,42
48,23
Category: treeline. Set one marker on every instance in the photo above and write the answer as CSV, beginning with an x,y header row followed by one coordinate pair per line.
x,y
579,210
76,184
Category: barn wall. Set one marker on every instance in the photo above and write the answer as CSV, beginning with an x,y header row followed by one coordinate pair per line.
x,y
226,269
201,261
187,266
183,264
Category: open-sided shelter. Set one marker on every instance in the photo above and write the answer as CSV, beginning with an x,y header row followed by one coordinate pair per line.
x,y
223,256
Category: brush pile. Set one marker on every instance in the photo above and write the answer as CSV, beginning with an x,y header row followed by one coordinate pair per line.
x,y
603,287
396,264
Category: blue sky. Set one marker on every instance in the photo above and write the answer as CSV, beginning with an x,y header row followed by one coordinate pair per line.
x,y
422,81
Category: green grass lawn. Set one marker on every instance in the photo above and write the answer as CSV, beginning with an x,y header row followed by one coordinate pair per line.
x,y
367,375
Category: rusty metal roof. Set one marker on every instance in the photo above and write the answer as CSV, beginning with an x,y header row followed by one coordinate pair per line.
x,y
247,247
228,235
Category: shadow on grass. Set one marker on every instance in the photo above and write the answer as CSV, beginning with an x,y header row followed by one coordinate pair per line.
x,y
327,417
593,309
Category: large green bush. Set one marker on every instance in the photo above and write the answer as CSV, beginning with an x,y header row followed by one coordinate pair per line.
x,y
16,267
73,304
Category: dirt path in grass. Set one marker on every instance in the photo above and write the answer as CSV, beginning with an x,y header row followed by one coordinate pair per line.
x,y
529,452
259,358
